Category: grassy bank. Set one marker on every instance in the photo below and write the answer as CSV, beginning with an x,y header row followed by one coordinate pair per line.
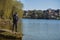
x,y
6,30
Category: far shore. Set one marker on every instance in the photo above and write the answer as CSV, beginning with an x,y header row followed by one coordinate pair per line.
x,y
41,18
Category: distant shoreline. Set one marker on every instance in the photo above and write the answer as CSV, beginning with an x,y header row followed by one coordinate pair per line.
x,y
41,18
42,14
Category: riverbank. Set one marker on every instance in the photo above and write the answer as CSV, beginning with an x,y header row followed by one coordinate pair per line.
x,y
9,35
6,30
41,19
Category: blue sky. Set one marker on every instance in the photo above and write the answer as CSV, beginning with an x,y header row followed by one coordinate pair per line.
x,y
40,4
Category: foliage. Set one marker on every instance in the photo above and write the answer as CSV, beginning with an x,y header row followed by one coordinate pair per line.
x,y
7,7
44,14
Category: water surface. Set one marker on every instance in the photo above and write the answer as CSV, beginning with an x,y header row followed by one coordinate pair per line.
x,y
38,29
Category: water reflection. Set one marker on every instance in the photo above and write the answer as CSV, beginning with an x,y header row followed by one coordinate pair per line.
x,y
34,29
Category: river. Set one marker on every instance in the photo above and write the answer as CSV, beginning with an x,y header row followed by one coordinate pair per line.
x,y
39,29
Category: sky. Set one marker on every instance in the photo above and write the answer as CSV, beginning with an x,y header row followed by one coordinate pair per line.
x,y
40,4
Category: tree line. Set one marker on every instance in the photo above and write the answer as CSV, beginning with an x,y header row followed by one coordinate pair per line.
x,y
42,14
